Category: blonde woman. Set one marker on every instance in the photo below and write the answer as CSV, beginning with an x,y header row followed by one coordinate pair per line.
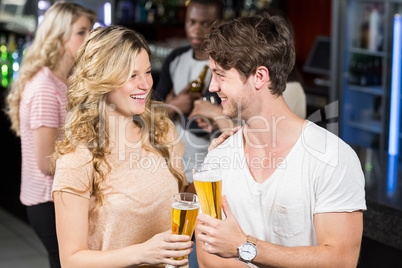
x,y
36,107
120,161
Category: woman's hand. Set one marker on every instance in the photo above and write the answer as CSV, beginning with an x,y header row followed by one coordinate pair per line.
x,y
224,136
164,246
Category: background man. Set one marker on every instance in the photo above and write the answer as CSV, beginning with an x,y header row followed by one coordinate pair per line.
x,y
181,67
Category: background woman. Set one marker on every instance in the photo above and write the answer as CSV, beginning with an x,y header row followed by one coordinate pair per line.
x,y
119,163
36,107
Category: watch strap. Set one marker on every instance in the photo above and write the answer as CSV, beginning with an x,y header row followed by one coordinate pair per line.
x,y
252,239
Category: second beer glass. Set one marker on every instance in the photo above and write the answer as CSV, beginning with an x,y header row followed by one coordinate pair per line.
x,y
208,184
185,208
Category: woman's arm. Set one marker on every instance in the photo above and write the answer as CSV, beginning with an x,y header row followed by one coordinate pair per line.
x,y
72,233
44,139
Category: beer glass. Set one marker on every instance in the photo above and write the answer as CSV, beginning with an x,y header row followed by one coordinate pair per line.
x,y
208,184
184,215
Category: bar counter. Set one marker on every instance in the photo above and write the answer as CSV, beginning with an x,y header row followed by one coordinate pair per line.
x,y
383,218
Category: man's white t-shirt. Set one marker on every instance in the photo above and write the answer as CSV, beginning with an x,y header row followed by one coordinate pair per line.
x,y
320,174
295,98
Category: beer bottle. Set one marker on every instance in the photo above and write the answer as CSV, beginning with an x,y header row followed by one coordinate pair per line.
x,y
198,84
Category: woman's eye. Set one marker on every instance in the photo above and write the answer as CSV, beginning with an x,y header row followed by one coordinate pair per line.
x,y
133,76
82,33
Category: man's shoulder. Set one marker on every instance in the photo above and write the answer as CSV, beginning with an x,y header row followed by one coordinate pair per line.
x,y
229,146
325,146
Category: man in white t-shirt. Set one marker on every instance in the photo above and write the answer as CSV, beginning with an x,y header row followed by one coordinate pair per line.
x,y
293,192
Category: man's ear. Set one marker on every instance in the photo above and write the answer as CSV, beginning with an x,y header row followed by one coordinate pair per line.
x,y
261,77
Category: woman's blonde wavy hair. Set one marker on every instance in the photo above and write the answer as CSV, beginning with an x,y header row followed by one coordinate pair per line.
x,y
46,50
103,63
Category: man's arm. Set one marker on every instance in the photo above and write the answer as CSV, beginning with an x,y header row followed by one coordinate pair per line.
x,y
339,238
181,103
338,235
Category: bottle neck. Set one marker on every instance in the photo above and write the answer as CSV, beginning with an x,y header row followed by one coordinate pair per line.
x,y
204,73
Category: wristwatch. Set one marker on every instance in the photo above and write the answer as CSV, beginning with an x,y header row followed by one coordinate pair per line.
x,y
248,250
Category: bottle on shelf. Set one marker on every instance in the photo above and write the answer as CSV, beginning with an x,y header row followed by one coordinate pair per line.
x,y
12,55
374,37
140,11
161,11
364,74
197,86
150,7
125,11
229,12
377,70
365,29
353,75
173,6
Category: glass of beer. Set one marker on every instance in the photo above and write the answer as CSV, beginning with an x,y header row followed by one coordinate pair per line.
x,y
185,209
208,184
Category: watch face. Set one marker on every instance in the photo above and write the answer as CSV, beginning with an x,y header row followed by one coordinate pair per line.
x,y
248,251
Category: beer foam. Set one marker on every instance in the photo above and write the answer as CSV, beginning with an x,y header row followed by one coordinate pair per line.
x,y
206,178
183,205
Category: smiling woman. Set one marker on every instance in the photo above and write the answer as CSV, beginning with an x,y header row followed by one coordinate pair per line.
x,y
36,107
119,163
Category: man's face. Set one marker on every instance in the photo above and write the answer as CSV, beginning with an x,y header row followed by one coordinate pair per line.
x,y
235,93
199,19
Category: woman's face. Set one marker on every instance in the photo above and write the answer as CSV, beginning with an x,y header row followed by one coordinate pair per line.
x,y
80,31
130,99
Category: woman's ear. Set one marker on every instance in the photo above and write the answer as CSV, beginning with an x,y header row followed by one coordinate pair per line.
x,y
261,77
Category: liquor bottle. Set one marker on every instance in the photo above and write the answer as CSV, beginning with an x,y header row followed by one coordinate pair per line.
x,y
353,77
197,86
229,12
150,7
161,11
12,55
374,29
125,11
172,10
365,29
141,15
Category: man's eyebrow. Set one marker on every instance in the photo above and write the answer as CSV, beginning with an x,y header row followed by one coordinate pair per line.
x,y
218,69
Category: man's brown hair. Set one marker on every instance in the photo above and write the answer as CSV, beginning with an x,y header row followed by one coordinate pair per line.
x,y
249,42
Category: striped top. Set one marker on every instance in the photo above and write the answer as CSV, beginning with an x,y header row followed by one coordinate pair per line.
x,y
42,105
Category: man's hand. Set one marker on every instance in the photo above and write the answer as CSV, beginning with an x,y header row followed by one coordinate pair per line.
x,y
222,238
184,101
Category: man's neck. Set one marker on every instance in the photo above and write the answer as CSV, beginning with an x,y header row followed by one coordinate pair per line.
x,y
200,55
267,144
